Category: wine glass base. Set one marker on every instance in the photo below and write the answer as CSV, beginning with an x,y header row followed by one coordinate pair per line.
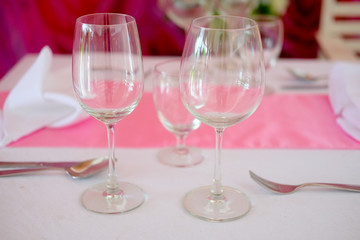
x,y
184,157
128,198
233,204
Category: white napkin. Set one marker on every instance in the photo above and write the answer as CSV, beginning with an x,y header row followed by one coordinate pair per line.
x,y
30,106
344,94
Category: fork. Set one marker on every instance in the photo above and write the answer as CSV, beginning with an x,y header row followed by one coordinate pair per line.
x,y
303,76
285,188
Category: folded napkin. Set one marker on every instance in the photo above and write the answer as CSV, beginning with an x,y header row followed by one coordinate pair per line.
x,y
344,94
40,99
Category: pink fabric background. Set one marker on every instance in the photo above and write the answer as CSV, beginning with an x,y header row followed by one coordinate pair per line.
x,y
27,25
281,121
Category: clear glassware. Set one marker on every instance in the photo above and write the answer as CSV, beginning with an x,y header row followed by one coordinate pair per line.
x,y
108,81
174,116
182,12
272,36
235,7
222,78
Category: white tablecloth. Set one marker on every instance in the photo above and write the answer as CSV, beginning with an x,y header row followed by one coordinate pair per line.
x,y
47,206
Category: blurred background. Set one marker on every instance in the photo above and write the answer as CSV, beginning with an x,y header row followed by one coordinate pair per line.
x,y
28,25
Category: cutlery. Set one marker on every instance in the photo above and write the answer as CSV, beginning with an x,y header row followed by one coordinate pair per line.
x,y
303,76
73,169
285,188
39,164
299,87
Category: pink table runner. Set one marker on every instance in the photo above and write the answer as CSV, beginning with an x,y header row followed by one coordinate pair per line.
x,y
281,121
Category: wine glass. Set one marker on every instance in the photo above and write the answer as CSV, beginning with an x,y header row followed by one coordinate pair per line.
x,y
182,12
235,7
108,83
272,36
174,116
222,78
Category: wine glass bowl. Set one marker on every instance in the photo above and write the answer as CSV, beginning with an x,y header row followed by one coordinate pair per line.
x,y
108,84
236,7
183,12
222,78
272,36
174,116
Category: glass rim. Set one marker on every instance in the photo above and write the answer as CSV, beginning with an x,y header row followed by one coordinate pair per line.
x,y
268,19
162,72
252,21
129,19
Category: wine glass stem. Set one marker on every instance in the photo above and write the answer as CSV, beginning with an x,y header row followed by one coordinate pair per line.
x,y
217,188
180,145
180,141
112,182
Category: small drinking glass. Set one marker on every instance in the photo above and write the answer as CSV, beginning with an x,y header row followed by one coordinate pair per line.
x,y
222,79
108,81
174,116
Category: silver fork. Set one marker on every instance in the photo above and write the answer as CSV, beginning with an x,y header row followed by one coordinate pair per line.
x,y
285,188
303,76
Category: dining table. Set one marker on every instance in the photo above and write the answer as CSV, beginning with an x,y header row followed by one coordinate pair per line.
x,y
292,137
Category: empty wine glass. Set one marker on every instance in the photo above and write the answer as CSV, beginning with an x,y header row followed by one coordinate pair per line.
x,y
182,12
174,116
222,80
235,7
272,37
108,83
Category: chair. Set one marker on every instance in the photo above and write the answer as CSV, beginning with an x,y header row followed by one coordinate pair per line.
x,y
339,31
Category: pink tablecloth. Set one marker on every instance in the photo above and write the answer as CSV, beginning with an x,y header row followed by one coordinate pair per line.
x,y
281,121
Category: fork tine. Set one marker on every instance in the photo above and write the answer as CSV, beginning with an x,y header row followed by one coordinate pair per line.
x,y
272,186
260,180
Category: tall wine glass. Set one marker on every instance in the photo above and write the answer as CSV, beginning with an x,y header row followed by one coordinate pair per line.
x,y
182,12
235,7
108,83
272,37
222,80
174,116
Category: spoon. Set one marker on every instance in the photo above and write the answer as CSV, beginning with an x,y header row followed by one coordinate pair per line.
x,y
303,76
285,188
73,169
